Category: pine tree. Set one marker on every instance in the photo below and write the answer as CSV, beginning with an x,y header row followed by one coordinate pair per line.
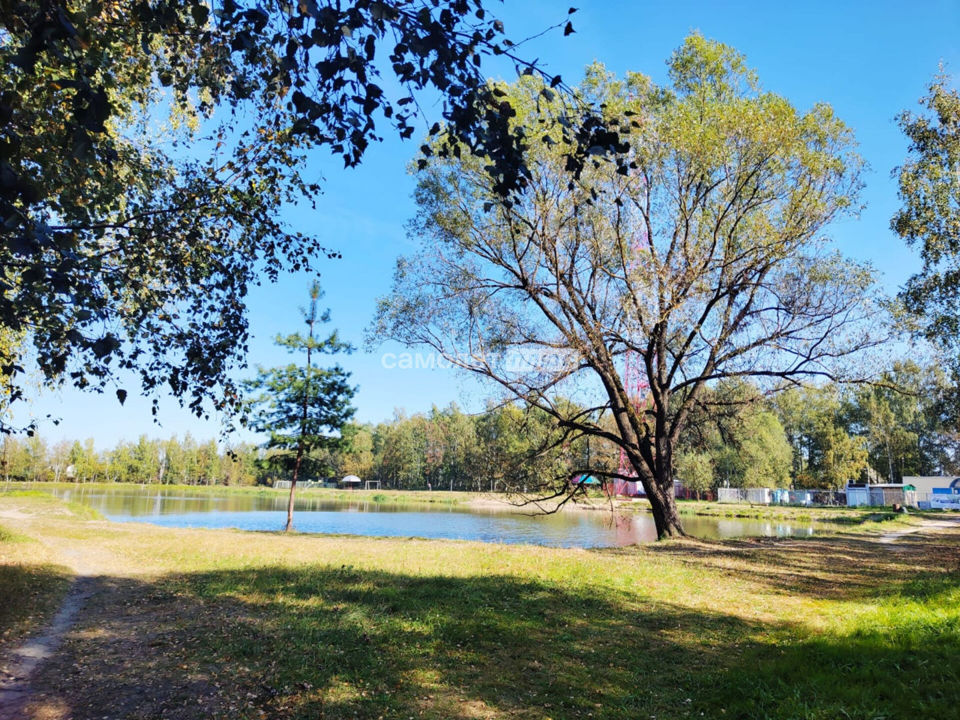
x,y
302,406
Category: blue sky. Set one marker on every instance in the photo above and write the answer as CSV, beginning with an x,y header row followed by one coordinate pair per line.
x,y
869,60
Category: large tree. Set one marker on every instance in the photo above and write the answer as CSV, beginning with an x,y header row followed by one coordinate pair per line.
x,y
130,243
701,254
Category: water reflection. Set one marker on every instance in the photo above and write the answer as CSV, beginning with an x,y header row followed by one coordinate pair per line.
x,y
172,507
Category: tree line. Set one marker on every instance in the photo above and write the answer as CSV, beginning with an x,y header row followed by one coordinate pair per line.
x,y
499,449
146,460
804,437
823,436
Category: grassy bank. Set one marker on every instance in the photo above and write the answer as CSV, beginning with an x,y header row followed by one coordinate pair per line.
x,y
375,496
189,623
837,515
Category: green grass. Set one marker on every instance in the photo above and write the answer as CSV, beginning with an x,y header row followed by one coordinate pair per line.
x,y
31,585
8,537
834,515
53,504
899,660
250,625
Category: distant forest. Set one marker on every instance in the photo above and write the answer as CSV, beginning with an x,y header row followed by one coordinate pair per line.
x,y
814,437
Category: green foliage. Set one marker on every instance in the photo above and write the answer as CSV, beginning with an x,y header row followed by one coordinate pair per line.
x,y
929,188
825,453
506,448
129,243
302,406
735,440
908,421
702,253
759,455
695,470
171,461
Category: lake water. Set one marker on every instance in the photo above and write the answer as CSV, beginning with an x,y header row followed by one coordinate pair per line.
x,y
171,507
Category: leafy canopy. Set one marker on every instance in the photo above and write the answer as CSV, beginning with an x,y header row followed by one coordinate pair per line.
x,y
929,188
130,244
700,249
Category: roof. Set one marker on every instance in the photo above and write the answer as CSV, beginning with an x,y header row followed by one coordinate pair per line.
x,y
883,486
351,479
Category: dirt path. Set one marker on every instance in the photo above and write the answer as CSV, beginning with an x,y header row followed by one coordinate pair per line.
x,y
115,649
20,664
892,537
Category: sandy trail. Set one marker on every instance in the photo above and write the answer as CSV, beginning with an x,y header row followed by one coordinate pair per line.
x,y
17,666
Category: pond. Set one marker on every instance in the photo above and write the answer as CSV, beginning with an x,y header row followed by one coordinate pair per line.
x,y
171,507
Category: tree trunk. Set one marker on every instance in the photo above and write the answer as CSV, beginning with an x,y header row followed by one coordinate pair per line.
x,y
662,498
289,527
303,418
663,504
293,487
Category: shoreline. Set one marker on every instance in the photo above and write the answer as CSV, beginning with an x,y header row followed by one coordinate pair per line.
x,y
511,504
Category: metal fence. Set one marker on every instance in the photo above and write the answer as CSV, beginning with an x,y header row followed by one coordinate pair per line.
x,y
866,496
780,496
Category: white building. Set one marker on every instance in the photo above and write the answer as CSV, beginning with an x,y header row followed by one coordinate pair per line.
x,y
940,492
927,484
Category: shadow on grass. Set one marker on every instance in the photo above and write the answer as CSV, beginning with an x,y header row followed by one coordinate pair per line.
x,y
29,595
906,669
319,642
846,567
350,643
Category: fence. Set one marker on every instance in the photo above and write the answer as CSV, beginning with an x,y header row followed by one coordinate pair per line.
x,y
302,484
779,496
864,496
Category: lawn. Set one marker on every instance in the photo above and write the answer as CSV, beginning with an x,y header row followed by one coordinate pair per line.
x,y
227,624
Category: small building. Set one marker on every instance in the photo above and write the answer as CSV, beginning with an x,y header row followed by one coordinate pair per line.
x,y
930,484
881,494
351,482
938,492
